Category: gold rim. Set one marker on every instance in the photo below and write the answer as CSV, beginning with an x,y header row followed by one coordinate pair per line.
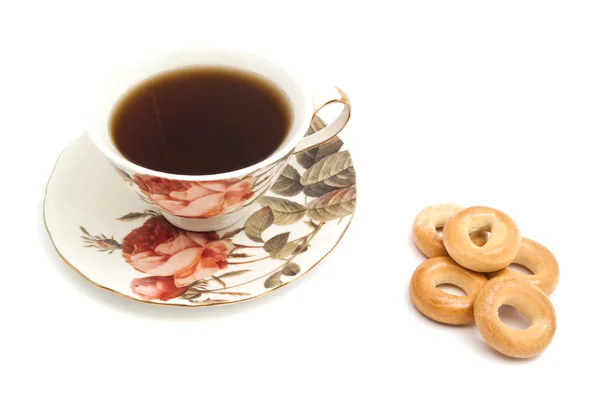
x,y
161,303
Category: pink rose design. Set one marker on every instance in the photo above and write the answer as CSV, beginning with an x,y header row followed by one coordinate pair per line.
x,y
155,287
160,249
196,198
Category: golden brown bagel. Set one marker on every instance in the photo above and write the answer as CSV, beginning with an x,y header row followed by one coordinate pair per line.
x,y
500,249
425,235
437,304
540,261
530,301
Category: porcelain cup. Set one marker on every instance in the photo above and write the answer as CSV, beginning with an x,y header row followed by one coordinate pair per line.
x,y
212,202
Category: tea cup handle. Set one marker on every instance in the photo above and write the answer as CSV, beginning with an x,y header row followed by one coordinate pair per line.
x,y
319,102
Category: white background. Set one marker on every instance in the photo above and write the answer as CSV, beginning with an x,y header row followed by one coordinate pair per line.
x,y
473,102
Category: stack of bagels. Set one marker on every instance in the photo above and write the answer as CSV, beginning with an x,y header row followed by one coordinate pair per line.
x,y
473,253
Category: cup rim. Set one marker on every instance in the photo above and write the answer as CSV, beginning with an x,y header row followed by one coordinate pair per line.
x,y
294,137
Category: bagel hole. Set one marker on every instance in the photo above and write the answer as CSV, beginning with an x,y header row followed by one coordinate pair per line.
x,y
480,238
511,317
452,289
519,269
439,230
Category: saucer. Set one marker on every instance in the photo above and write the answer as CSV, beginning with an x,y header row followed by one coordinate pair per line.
x,y
103,230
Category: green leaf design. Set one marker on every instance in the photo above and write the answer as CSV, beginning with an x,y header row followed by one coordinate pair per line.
x,y
258,222
233,273
288,183
307,159
327,168
134,216
290,249
274,280
276,243
138,215
199,284
232,233
318,189
192,293
284,211
239,255
343,179
335,204
328,148
310,157
218,280
290,269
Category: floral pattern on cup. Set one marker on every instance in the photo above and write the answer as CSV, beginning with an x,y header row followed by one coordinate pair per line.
x,y
202,199
195,198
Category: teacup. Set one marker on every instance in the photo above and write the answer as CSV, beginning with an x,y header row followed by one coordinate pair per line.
x,y
213,202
